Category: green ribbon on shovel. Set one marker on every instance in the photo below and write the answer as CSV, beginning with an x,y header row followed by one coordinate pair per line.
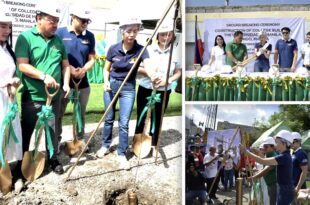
x,y
154,98
74,98
7,121
44,117
307,90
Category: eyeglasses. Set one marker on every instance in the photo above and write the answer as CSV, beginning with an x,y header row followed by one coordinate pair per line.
x,y
284,32
52,20
83,21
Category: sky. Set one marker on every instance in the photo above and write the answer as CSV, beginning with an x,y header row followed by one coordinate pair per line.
x,y
194,3
239,114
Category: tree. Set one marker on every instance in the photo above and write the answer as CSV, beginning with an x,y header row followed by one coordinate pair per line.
x,y
296,117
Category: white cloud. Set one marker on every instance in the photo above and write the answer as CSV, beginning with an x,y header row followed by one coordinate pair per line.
x,y
244,114
261,113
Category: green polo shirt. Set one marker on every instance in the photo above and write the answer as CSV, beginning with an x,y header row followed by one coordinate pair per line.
x,y
238,50
45,56
271,176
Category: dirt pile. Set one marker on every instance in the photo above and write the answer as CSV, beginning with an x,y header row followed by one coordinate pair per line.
x,y
100,181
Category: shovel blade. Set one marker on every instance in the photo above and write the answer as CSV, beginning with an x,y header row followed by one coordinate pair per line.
x,y
5,178
33,168
73,147
142,145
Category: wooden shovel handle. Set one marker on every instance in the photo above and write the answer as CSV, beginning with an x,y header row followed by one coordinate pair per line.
x,y
11,92
50,95
76,84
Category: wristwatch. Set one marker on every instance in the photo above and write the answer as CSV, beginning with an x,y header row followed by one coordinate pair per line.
x,y
42,77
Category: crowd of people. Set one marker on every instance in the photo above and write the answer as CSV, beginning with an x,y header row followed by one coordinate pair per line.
x,y
235,52
52,57
279,164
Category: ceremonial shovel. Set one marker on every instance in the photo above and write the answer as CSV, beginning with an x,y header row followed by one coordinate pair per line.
x,y
34,160
75,145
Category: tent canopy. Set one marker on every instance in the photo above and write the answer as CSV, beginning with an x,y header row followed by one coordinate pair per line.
x,y
305,142
271,132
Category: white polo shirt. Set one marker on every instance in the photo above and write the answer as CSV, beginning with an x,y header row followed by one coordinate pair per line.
x,y
305,50
159,60
211,170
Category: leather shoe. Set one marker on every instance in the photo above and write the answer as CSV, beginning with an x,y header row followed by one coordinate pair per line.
x,y
56,167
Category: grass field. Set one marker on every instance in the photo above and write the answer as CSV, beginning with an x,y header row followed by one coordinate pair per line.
x,y
95,107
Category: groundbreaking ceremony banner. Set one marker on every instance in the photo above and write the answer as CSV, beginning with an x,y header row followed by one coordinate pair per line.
x,y
250,28
223,137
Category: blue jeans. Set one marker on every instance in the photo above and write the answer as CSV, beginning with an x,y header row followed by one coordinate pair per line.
x,y
285,194
192,194
261,67
126,100
228,176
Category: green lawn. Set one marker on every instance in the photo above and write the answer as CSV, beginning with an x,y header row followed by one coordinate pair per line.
x,y
95,106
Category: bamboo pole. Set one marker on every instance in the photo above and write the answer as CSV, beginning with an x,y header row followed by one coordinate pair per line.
x,y
120,88
166,85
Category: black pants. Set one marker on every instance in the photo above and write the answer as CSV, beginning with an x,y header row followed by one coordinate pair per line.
x,y
29,118
143,93
215,186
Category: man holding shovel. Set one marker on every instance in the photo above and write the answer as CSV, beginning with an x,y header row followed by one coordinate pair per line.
x,y
236,50
42,61
211,161
80,46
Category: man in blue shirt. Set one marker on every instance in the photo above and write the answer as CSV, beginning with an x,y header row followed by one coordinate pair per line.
x,y
286,52
300,163
80,46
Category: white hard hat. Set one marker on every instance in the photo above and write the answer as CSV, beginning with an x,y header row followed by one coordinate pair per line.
x,y
130,21
81,10
5,15
284,134
51,8
166,26
296,136
269,140
302,71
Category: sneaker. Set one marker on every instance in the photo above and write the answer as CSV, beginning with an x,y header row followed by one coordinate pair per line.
x,y
154,150
19,185
123,162
56,166
101,152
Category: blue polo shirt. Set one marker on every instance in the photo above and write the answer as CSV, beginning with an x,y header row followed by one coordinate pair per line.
x,y
122,62
299,158
284,169
286,52
78,47
261,61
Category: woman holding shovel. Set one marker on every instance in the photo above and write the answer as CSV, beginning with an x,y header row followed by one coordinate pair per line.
x,y
120,58
283,161
9,117
159,56
262,61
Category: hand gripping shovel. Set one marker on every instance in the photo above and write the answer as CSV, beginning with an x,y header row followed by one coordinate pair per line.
x,y
142,141
6,133
75,145
34,160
